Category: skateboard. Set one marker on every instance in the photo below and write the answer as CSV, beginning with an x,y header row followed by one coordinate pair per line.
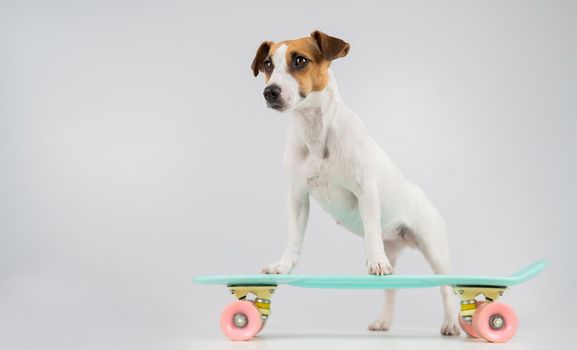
x,y
480,315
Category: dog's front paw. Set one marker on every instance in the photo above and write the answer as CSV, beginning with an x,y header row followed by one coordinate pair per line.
x,y
380,267
450,328
279,267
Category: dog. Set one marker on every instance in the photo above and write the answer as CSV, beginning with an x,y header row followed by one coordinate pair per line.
x,y
330,156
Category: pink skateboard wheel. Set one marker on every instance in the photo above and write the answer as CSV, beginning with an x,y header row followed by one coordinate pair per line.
x,y
468,327
261,327
241,320
495,322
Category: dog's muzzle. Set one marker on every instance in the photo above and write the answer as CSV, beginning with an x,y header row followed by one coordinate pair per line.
x,y
272,95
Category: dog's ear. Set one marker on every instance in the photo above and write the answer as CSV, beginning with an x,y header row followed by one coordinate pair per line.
x,y
332,48
261,55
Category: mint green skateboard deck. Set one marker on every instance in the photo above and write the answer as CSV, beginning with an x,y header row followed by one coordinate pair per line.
x,y
376,282
480,316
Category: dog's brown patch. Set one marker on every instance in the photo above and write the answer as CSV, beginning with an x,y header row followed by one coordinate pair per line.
x,y
331,47
319,49
261,54
314,75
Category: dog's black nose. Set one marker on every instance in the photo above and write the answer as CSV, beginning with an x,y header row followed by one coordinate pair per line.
x,y
271,93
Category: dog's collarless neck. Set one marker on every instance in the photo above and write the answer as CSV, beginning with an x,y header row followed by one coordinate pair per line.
x,y
313,120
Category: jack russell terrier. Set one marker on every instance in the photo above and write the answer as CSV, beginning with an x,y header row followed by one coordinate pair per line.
x,y
330,156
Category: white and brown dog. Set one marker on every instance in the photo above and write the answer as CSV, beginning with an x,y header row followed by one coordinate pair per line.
x,y
330,156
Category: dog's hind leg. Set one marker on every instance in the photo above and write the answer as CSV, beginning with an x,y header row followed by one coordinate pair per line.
x,y
433,244
384,321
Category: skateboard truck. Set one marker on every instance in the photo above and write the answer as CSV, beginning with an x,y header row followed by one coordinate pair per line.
x,y
488,319
262,296
469,303
245,318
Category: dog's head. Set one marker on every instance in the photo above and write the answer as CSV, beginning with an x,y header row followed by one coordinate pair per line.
x,y
295,68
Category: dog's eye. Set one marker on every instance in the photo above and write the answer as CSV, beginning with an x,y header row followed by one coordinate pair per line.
x,y
300,61
267,65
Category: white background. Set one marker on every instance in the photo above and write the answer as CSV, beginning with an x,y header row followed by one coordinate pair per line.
x,y
136,152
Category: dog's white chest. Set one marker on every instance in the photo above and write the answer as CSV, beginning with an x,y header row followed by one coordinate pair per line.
x,y
316,172
326,185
